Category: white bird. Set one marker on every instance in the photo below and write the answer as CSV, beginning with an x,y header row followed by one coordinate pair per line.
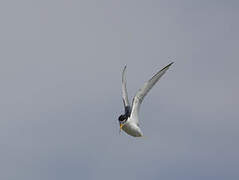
x,y
129,121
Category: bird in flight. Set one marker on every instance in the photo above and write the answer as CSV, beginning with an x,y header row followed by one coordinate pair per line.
x,y
129,121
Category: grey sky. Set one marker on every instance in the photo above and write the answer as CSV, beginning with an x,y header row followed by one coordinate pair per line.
x,y
60,75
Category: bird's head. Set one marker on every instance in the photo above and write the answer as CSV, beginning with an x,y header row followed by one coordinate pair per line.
x,y
122,120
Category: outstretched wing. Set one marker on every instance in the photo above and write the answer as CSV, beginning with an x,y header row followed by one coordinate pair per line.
x,y
138,98
124,93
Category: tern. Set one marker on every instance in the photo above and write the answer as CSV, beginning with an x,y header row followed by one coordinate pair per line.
x,y
129,121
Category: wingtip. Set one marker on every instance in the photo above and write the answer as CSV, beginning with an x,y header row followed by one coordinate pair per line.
x,y
125,66
170,64
166,67
123,73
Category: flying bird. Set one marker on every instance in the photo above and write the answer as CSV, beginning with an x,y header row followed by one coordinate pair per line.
x,y
129,121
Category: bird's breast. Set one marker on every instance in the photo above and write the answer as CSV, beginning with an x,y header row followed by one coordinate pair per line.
x,y
132,129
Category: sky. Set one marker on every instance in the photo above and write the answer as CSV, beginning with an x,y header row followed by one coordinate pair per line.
x,y
60,75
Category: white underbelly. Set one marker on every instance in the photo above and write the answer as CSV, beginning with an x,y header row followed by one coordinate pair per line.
x,y
132,130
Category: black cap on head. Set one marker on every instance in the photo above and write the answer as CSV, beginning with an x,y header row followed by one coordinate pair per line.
x,y
122,118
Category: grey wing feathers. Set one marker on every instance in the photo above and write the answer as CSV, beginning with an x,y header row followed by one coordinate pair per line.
x,y
138,98
124,89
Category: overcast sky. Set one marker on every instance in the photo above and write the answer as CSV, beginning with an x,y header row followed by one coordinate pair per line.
x,y
60,95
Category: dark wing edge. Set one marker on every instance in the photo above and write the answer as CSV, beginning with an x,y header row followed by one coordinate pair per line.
x,y
124,92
